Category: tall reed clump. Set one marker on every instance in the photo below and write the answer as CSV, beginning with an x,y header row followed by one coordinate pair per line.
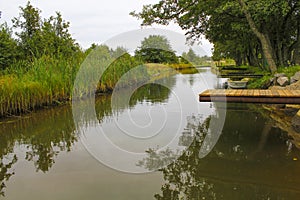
x,y
44,81
47,81
122,67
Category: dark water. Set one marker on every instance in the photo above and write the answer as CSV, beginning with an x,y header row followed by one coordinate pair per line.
x,y
46,155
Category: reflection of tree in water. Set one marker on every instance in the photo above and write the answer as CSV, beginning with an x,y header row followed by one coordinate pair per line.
x,y
44,139
49,132
53,135
5,174
242,165
180,175
157,160
153,93
192,136
156,92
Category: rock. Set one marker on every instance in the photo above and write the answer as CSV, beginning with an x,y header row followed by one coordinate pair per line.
x,y
293,80
273,81
269,83
279,75
276,88
296,122
290,111
294,86
296,77
283,81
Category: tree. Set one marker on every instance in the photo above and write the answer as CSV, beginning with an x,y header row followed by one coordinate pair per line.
x,y
8,47
119,51
38,37
29,22
263,37
156,49
56,39
191,57
273,24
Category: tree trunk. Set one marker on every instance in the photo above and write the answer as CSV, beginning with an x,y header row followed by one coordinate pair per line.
x,y
264,39
238,58
296,56
295,47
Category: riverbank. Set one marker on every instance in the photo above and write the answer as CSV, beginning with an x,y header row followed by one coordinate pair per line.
x,y
286,116
49,82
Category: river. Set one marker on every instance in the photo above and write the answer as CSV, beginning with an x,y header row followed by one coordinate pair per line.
x,y
47,155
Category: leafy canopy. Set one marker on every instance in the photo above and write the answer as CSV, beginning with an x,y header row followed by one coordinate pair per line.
x,y
248,31
156,49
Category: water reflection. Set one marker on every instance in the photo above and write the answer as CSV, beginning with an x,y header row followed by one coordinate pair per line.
x,y
41,140
251,160
43,135
248,162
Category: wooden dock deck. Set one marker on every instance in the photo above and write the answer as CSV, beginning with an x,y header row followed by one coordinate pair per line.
x,y
240,75
251,96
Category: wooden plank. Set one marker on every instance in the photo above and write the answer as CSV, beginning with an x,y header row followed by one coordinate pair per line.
x,y
239,92
252,96
295,92
286,94
291,94
230,93
257,93
268,93
244,93
281,93
206,93
275,93
250,93
239,76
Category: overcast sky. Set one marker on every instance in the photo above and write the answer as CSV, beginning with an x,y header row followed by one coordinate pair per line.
x,y
92,21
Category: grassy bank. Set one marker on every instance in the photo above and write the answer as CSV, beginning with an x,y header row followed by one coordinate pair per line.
x,y
261,82
44,81
49,81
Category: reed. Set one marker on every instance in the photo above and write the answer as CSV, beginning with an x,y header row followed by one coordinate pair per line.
x,y
179,66
49,81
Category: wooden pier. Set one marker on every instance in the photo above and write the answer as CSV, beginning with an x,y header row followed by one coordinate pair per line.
x,y
240,75
251,96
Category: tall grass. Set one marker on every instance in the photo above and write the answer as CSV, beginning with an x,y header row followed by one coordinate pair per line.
x,y
49,81
46,82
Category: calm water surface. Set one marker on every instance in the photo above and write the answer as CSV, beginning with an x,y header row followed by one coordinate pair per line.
x,y
44,156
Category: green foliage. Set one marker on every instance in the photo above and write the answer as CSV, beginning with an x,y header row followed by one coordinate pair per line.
x,y
120,66
119,51
193,58
156,49
157,42
259,83
190,56
289,71
262,82
250,32
38,67
39,37
152,55
29,24
8,47
56,39
49,80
